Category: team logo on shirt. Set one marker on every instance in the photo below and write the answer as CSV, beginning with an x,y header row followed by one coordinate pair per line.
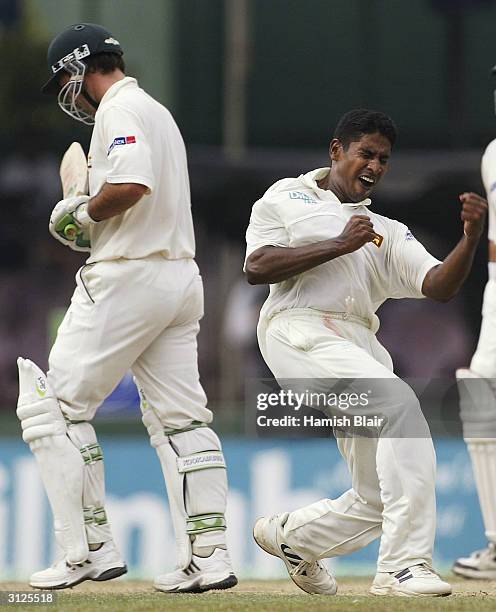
x,y
121,140
299,195
378,240
409,235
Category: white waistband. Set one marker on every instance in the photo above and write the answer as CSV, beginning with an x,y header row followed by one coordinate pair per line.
x,y
340,316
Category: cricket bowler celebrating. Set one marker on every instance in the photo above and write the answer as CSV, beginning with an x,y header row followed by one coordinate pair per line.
x,y
477,387
137,305
331,262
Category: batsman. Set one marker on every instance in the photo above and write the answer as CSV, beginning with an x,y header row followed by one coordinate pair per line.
x,y
477,388
137,305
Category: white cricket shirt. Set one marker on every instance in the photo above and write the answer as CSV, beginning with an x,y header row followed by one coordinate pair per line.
x,y
295,212
136,140
488,169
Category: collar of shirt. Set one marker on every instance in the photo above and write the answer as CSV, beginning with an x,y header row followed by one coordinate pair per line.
x,y
114,89
310,180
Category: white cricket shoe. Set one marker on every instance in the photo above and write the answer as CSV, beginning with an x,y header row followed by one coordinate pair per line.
x,y
415,581
481,564
311,576
202,574
102,564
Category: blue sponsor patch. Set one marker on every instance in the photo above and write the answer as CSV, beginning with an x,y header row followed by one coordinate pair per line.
x,y
299,195
121,140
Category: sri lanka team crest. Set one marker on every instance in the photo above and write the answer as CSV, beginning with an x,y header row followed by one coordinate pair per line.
x,y
378,240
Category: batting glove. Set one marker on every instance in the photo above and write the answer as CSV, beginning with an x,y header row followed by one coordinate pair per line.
x,y
70,221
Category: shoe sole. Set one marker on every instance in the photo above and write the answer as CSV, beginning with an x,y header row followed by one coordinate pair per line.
x,y
226,583
275,554
388,591
109,574
473,574
192,587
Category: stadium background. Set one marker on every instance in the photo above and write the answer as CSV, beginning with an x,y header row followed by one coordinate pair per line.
x,y
256,87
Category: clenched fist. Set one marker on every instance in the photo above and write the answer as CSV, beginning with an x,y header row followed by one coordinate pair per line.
x,y
473,214
357,232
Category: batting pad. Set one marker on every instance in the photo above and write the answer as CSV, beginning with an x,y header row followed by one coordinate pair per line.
x,y
60,463
478,415
96,522
195,477
477,405
483,455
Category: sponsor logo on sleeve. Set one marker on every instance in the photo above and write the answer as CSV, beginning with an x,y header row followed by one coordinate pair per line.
x,y
299,195
121,140
409,235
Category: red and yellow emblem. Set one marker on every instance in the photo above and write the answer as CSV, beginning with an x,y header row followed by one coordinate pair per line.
x,y
378,240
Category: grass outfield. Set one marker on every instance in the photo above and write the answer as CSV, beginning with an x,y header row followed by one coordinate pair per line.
x,y
258,595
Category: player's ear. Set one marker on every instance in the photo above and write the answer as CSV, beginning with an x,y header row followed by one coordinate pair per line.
x,y
335,149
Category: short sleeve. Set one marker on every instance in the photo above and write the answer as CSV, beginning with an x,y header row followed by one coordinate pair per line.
x,y
410,262
488,170
266,228
128,150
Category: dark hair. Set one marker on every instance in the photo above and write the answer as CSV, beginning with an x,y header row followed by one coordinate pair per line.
x,y
105,63
359,121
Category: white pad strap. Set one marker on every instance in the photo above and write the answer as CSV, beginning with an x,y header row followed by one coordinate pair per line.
x,y
60,463
203,523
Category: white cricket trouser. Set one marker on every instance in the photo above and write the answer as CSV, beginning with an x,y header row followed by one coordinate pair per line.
x,y
141,315
393,478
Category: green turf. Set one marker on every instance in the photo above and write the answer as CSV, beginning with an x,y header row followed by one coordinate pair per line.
x,y
261,596
260,601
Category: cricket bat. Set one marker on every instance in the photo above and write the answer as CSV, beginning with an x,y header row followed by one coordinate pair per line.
x,y
74,179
